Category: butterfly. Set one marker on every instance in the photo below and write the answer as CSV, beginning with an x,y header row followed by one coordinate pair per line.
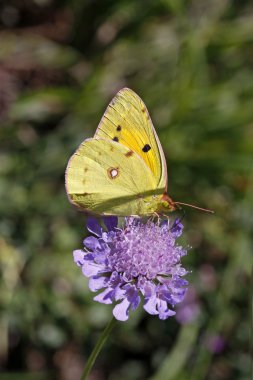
x,y
121,170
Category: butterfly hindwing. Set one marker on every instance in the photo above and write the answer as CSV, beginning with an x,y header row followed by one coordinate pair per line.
x,y
106,177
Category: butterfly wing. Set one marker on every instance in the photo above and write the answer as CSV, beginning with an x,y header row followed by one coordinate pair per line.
x,y
105,177
127,121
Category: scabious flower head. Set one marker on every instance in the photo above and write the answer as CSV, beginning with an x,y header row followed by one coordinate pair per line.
x,y
139,261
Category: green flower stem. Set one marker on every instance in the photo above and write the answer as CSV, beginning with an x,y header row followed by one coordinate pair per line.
x,y
97,349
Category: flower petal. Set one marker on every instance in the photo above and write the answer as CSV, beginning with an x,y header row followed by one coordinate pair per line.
x,y
150,305
178,282
132,295
78,255
119,293
110,222
177,228
107,296
135,301
121,310
177,298
93,226
98,282
91,243
163,310
90,269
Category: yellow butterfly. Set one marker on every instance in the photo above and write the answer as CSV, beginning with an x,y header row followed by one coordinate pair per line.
x,y
122,169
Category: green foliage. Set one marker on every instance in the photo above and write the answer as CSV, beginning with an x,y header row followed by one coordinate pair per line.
x,y
191,62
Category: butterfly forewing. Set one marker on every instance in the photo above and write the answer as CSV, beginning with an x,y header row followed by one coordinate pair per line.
x,y
127,121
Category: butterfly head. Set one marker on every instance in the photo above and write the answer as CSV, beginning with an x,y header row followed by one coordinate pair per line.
x,y
166,204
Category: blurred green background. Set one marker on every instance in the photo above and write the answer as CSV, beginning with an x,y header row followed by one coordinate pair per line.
x,y
61,62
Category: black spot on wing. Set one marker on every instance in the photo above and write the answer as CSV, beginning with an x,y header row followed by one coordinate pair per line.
x,y
115,139
118,128
146,148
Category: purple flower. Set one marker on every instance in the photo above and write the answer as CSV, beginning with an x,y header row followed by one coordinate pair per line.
x,y
138,261
215,343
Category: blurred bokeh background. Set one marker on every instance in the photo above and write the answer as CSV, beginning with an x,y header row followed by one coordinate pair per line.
x,y
60,64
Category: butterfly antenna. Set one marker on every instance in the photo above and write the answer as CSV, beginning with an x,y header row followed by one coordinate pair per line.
x,y
197,208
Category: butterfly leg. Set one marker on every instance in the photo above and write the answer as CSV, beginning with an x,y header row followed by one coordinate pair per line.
x,y
155,215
